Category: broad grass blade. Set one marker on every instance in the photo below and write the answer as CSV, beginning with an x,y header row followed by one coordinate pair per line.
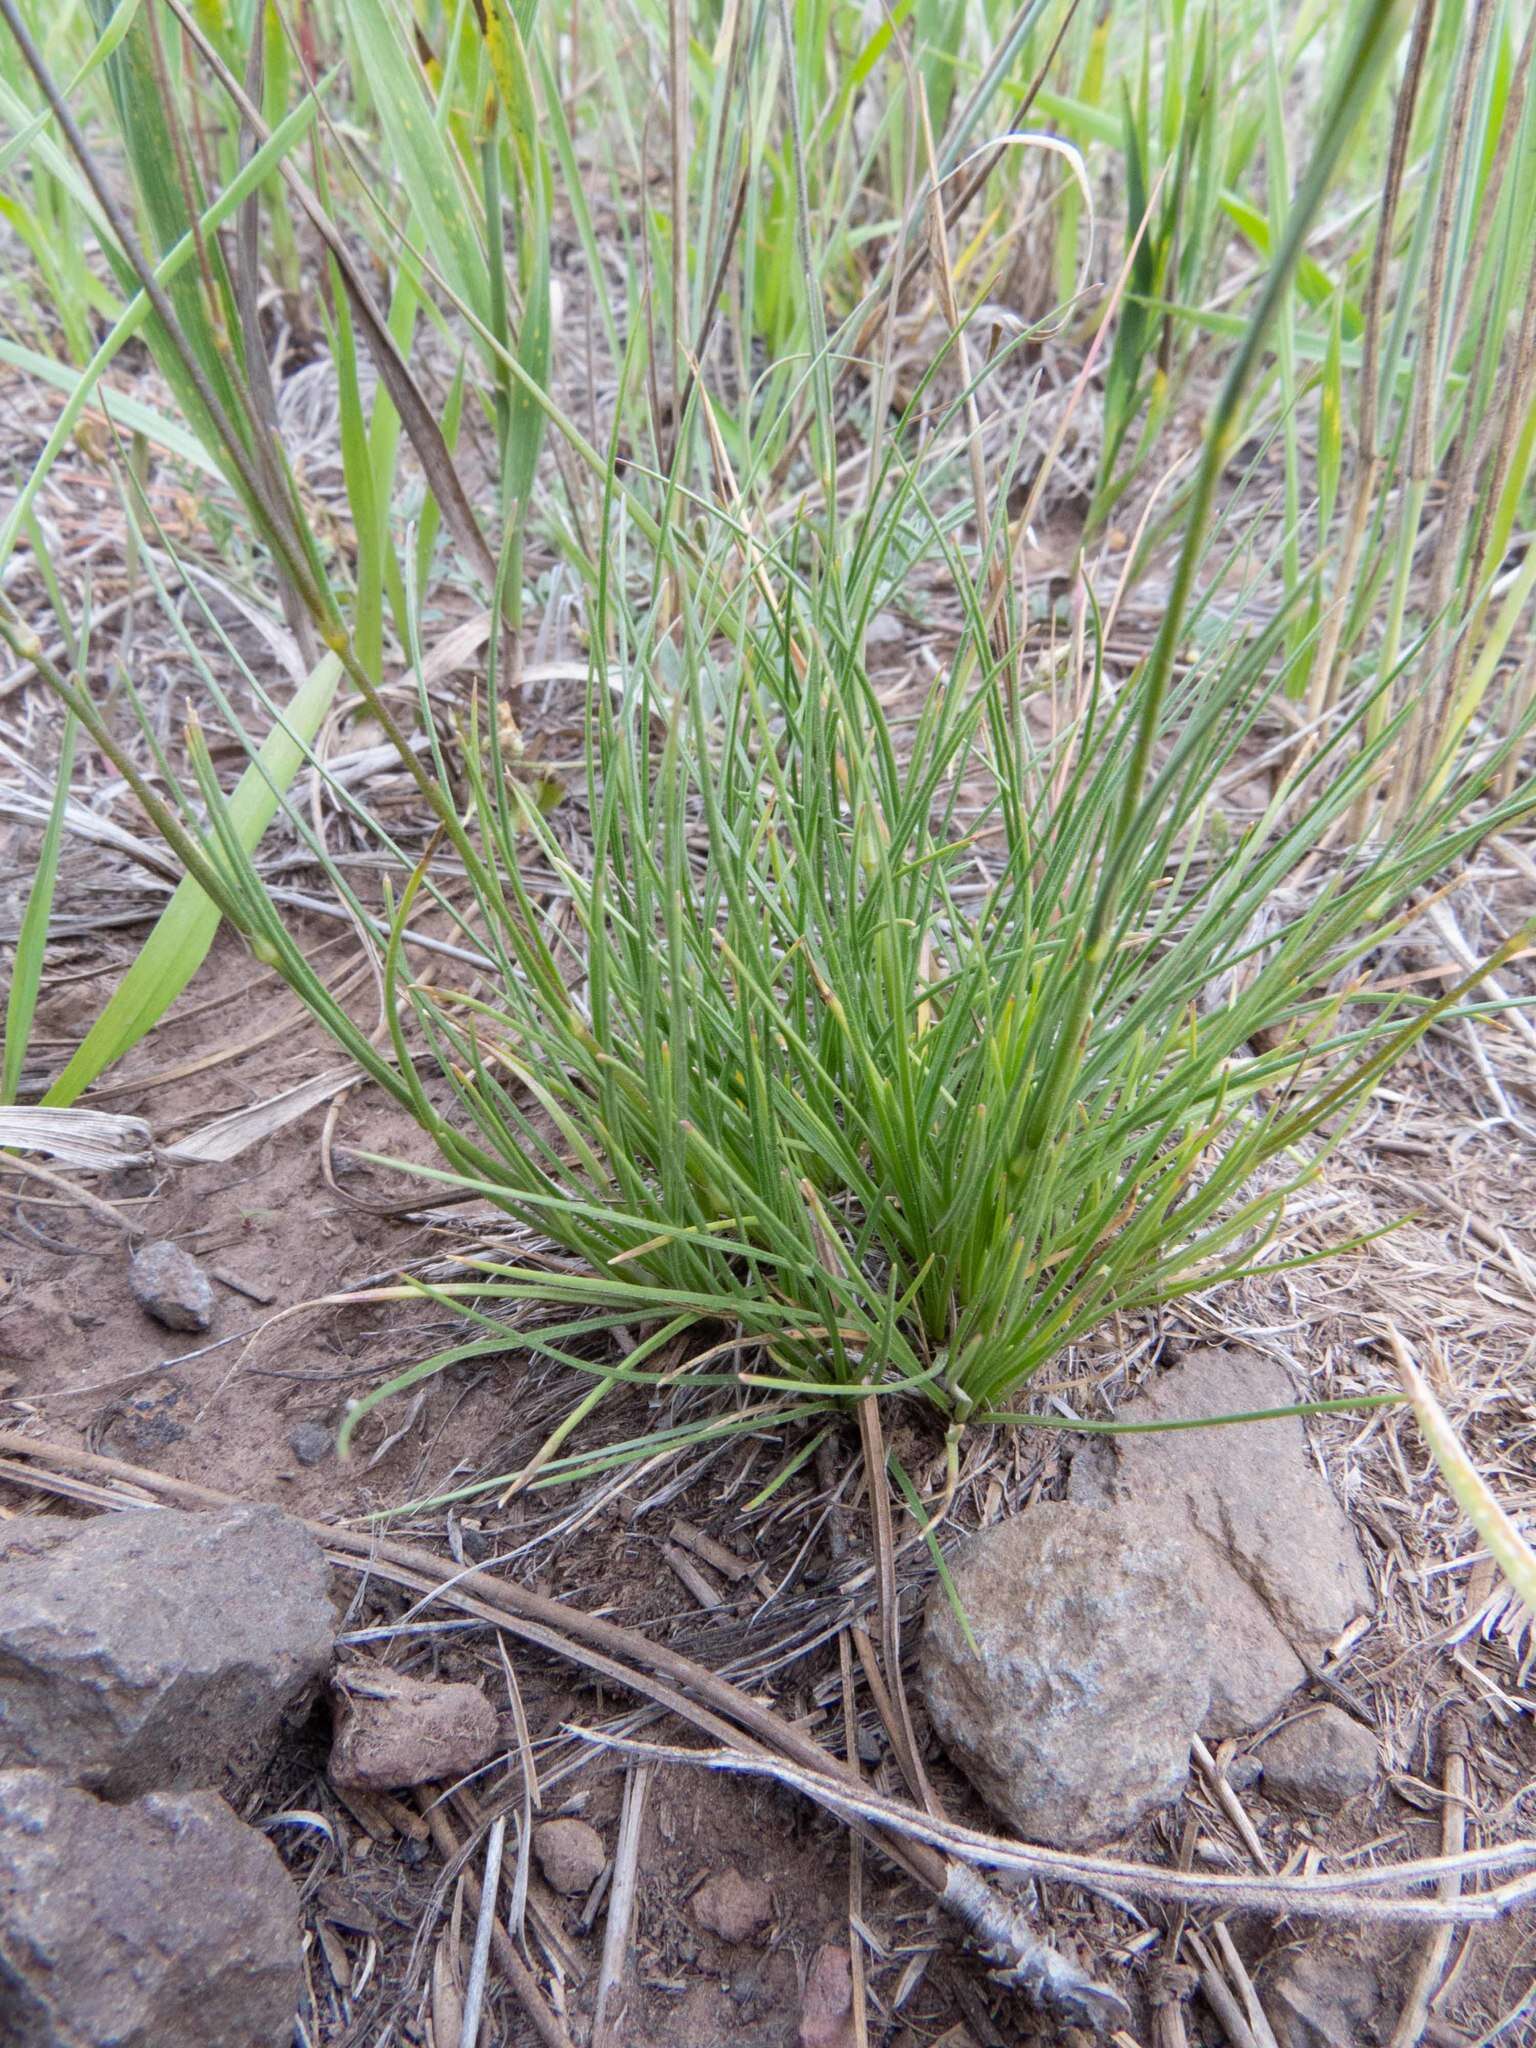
x,y
179,943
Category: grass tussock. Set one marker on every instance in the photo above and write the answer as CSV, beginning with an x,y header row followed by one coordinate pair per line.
x,y
857,1038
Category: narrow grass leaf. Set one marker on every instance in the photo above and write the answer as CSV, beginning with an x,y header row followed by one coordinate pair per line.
x,y
32,939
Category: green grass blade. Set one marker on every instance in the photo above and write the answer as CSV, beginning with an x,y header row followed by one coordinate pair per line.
x,y
442,199
32,939
81,385
1512,1553
185,930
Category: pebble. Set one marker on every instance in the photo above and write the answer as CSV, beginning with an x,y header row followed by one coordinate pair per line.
x,y
143,1425
161,1920
1320,1761
1071,1696
571,1854
154,1650
1243,1773
1183,1586
1275,1568
311,1443
1322,1999
171,1286
734,1907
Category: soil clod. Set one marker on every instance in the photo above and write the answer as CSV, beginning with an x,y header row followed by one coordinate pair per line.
x,y
734,1907
28,1335
571,1854
393,1731
826,2014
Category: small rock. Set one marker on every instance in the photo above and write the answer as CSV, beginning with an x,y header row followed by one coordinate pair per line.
x,y
311,1443
1318,2000
1074,1712
884,630
826,2011
571,1854
1243,1773
164,1923
1275,1564
736,1908
393,1731
155,1650
171,1286
1320,1761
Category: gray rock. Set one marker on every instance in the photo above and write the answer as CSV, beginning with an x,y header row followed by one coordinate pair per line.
x,y
1320,1761
311,1443
1320,2000
1074,1712
393,1730
571,1854
165,1923
157,1651
171,1286
1276,1567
